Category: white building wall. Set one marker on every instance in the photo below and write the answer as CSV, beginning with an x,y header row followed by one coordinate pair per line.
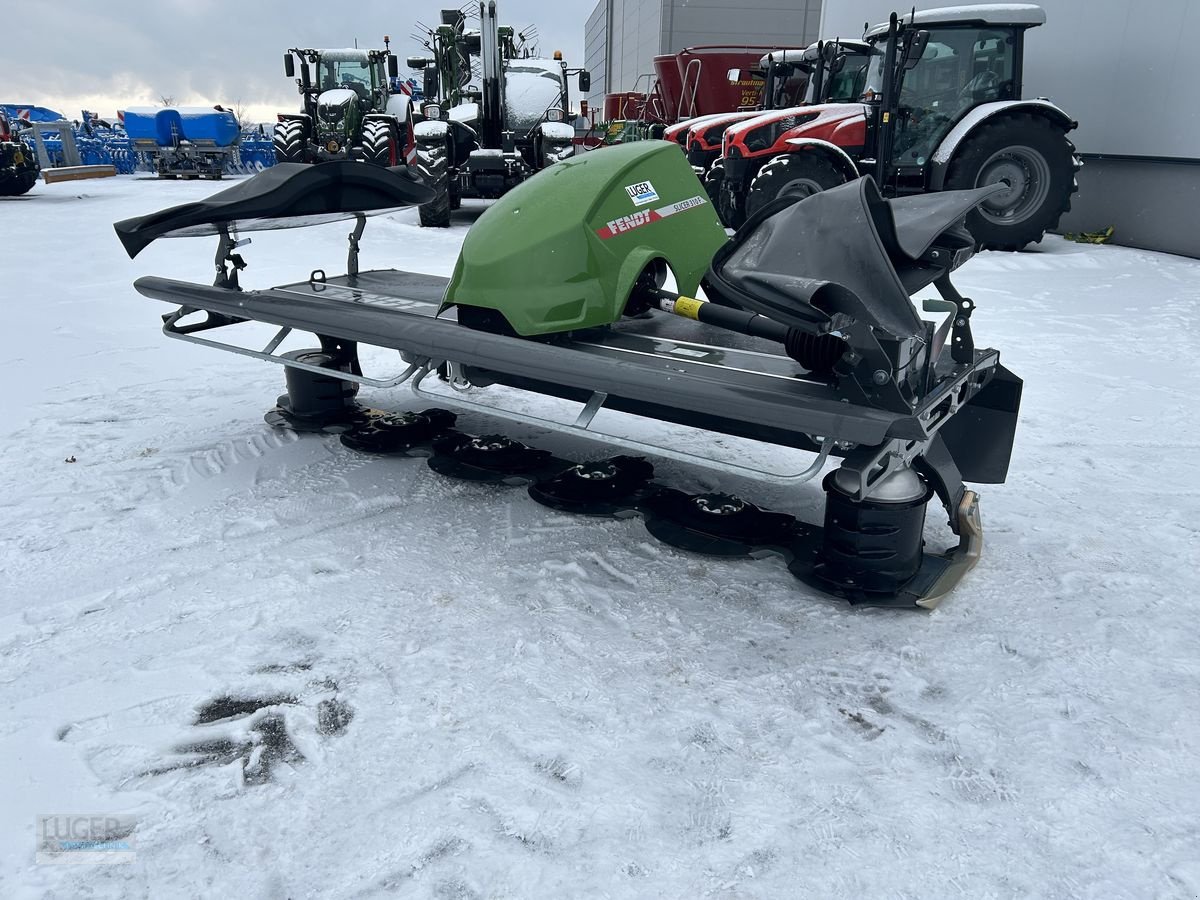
x,y
595,50
639,26
635,31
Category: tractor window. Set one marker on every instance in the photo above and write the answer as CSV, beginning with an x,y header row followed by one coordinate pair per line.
x,y
790,81
960,69
357,75
531,88
846,85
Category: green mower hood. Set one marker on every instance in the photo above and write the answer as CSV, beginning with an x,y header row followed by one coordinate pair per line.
x,y
562,250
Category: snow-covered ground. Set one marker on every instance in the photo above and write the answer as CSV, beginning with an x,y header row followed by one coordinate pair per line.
x,y
473,696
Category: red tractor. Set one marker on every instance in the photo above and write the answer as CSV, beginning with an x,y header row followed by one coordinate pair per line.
x,y
18,165
830,72
941,110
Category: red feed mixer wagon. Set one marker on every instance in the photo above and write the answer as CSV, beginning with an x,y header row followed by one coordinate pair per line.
x,y
694,82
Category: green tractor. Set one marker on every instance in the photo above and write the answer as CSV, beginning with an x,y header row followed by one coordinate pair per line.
x,y
349,110
18,165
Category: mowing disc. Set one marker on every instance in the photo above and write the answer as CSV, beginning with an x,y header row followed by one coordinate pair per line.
x,y
314,401
488,457
600,488
385,432
332,421
715,524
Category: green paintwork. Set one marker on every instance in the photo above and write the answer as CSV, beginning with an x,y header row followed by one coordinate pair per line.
x,y
536,254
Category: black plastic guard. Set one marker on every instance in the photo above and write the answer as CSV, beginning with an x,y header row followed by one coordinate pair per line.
x,y
287,195
844,250
980,435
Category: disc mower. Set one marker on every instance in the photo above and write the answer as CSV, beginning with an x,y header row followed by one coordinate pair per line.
x,y
798,332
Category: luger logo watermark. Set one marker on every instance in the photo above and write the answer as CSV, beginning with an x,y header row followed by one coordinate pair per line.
x,y
641,193
72,839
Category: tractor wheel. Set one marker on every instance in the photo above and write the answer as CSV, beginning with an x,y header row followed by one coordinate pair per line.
x,y
714,186
290,140
791,175
1033,156
21,182
433,166
380,144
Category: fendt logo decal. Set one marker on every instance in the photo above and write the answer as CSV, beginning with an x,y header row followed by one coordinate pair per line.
x,y
622,224
627,223
641,193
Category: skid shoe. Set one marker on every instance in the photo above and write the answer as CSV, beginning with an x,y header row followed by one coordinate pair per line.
x,y
603,487
384,432
871,551
716,524
488,457
315,402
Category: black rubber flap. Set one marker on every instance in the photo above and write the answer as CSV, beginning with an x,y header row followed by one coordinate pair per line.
x,y
287,195
836,251
921,219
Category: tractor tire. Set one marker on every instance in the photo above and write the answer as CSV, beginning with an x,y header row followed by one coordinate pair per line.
x,y
290,141
19,183
1031,154
799,174
714,186
433,166
380,145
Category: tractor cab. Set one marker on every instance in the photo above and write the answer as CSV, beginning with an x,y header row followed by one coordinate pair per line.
x,y
345,77
335,72
535,91
787,76
936,67
840,73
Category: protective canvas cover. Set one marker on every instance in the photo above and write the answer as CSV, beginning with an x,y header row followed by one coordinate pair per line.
x,y
842,250
287,195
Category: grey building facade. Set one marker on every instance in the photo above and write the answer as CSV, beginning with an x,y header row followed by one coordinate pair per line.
x,y
1123,70
622,37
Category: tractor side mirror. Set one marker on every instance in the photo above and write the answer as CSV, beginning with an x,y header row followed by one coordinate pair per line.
x,y
585,81
393,66
431,84
289,65
837,64
916,48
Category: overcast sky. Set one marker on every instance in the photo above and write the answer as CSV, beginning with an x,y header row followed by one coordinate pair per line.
x,y
106,55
